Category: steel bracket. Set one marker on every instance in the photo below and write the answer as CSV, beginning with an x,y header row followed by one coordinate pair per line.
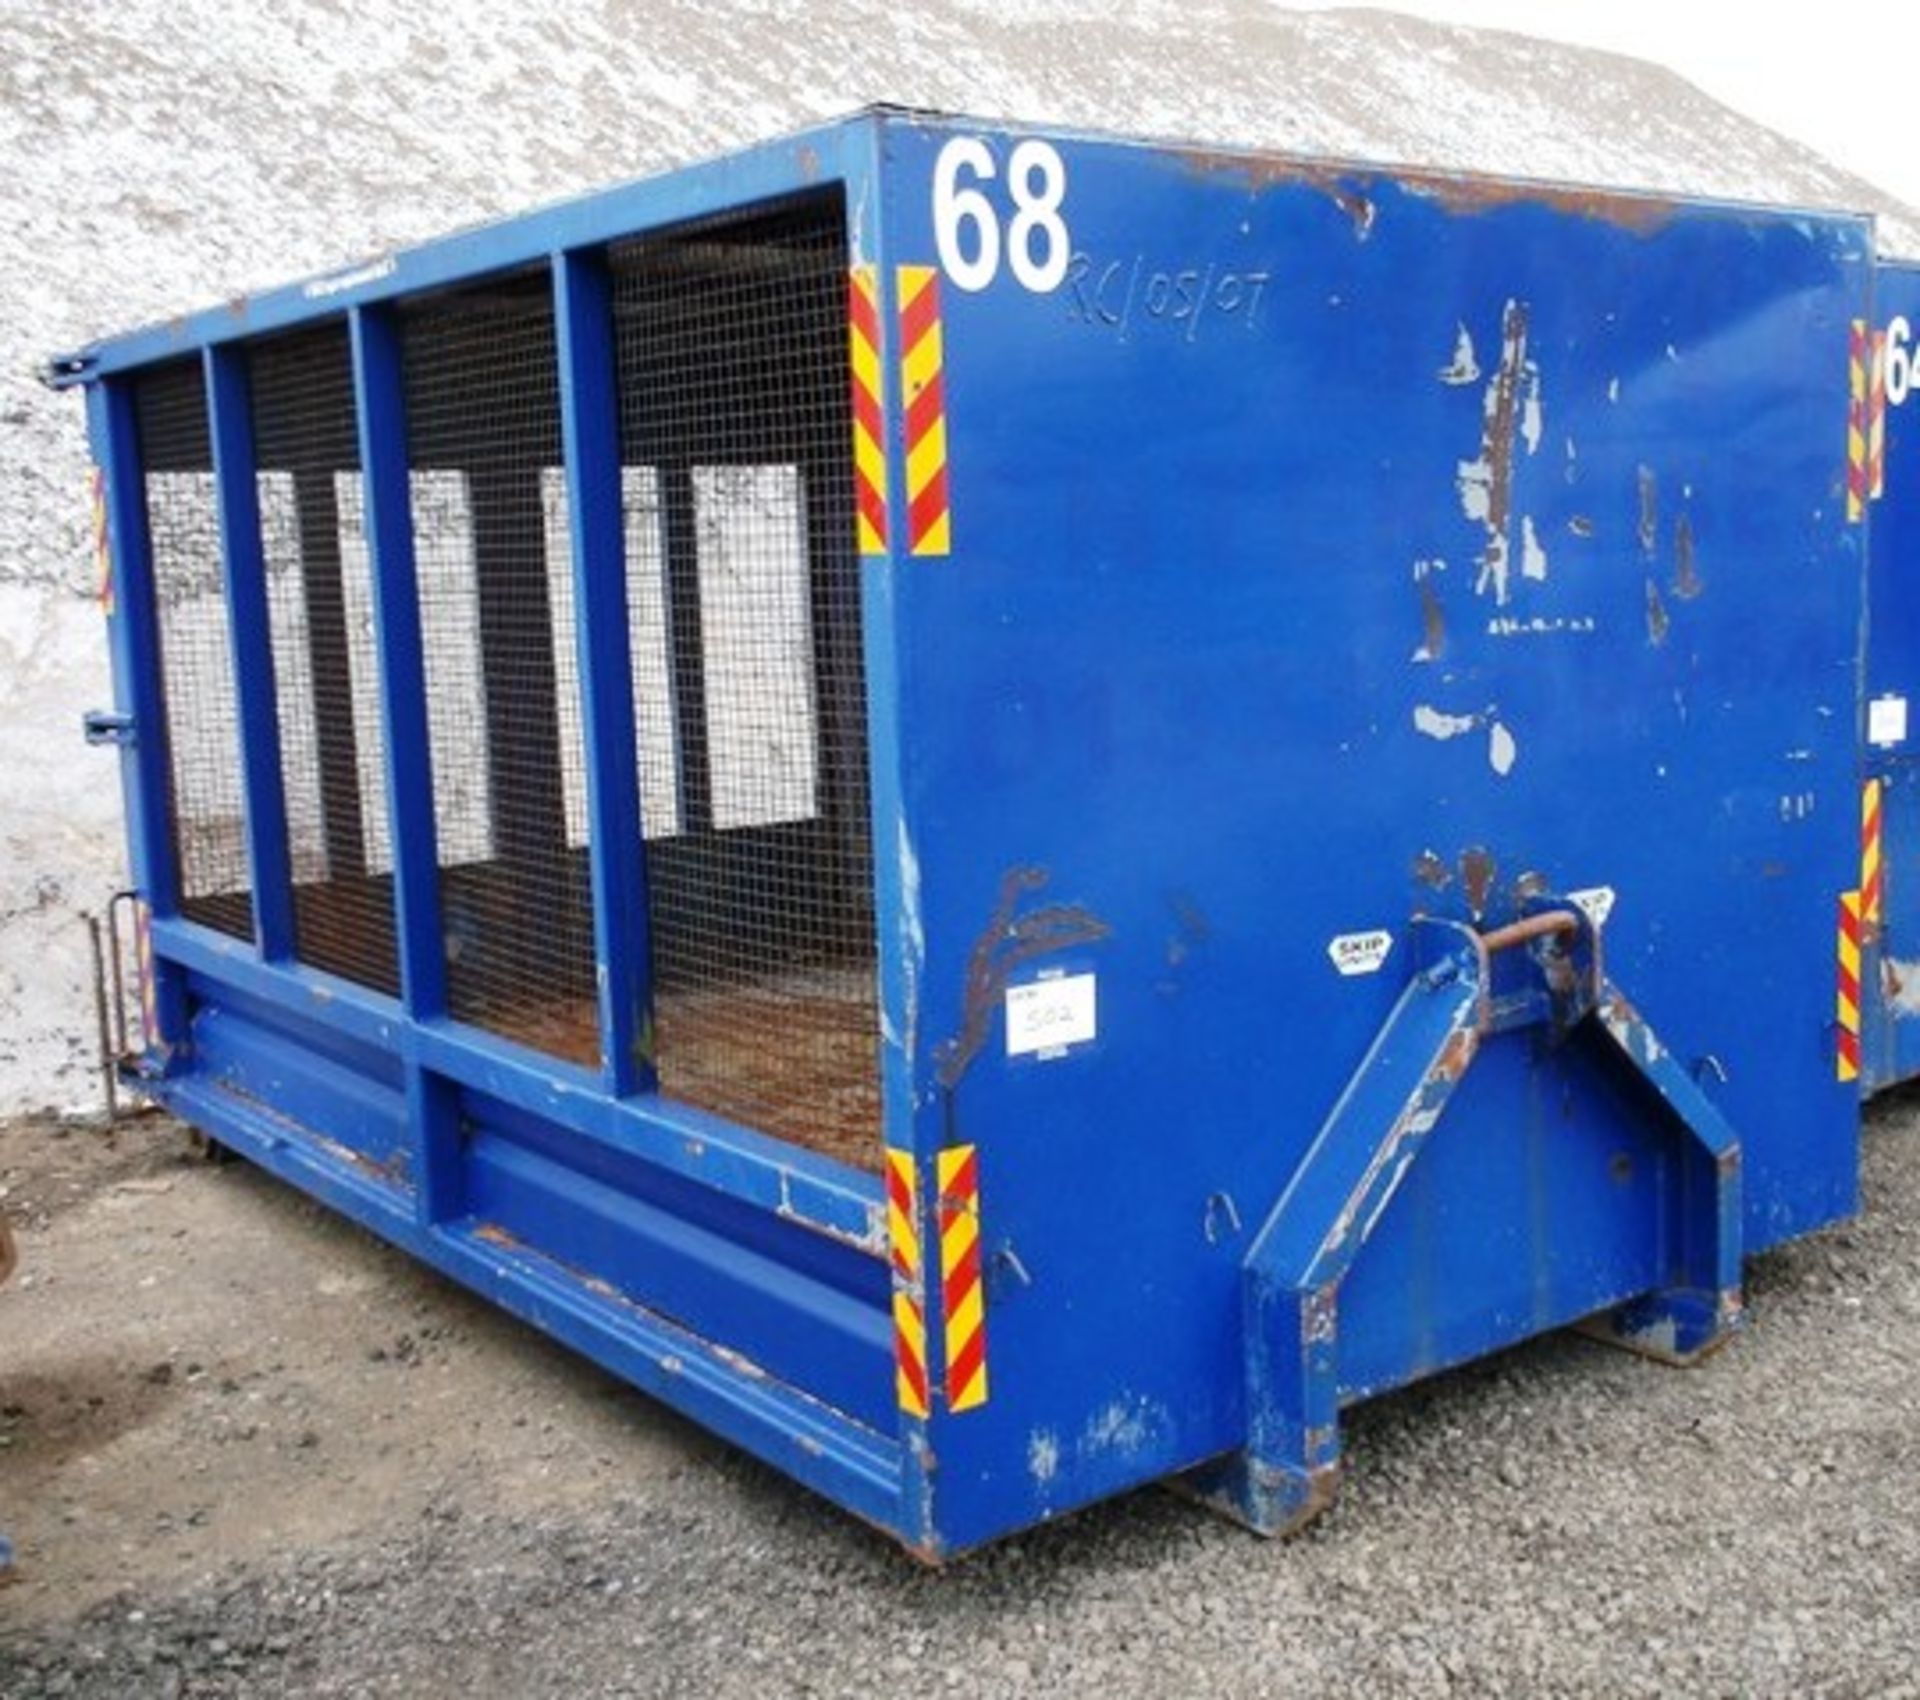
x,y
104,726
1544,971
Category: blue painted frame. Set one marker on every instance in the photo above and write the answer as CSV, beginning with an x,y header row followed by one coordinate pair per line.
x,y
446,1068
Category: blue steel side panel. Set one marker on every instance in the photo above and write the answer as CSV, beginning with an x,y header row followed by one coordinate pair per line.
x,y
1328,548
1890,989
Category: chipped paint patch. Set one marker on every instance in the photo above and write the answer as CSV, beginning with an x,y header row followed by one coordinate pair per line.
x,y
1533,557
1436,724
1465,366
1900,981
1126,1425
1502,750
1513,416
1043,1455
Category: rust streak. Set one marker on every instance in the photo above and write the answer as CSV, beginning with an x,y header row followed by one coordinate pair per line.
x,y
1503,415
1477,870
1458,192
1433,622
1649,511
1657,618
1686,574
1455,1057
1342,185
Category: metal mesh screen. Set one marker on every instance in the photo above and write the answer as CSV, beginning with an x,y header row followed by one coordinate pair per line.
x,y
483,435
196,663
326,679
736,433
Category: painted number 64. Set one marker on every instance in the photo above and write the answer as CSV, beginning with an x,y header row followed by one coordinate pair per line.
x,y
966,223
1901,362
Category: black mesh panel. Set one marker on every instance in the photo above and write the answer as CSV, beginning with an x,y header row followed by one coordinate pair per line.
x,y
744,589
326,670
196,663
483,435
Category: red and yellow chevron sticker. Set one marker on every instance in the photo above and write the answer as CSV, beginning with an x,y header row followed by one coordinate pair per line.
x,y
102,546
1872,878
1847,1024
1859,354
143,970
909,1314
923,392
869,411
1866,418
962,1293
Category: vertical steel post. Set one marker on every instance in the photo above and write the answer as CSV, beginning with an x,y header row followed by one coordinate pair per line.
x,y
686,647
249,635
590,427
870,192
133,635
380,402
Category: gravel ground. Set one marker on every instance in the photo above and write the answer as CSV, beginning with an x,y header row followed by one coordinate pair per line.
x,y
247,1450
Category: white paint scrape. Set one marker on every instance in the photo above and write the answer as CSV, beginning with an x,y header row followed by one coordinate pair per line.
x,y
1436,723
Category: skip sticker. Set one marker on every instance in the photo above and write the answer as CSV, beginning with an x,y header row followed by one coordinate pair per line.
x,y
1360,953
1596,903
1046,1016
1887,721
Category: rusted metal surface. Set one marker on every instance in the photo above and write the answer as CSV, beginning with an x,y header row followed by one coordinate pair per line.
x,y
1686,572
1649,487
1477,871
1659,622
1643,214
814,1083
1355,189
1433,621
1498,443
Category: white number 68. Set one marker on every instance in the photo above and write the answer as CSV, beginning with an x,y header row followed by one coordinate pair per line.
x,y
1902,366
1036,236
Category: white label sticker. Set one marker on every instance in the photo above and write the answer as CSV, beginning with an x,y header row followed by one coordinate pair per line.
x,y
1596,902
1045,1016
1360,953
1887,721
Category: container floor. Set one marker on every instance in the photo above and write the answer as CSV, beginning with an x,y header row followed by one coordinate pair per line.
x,y
796,1057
